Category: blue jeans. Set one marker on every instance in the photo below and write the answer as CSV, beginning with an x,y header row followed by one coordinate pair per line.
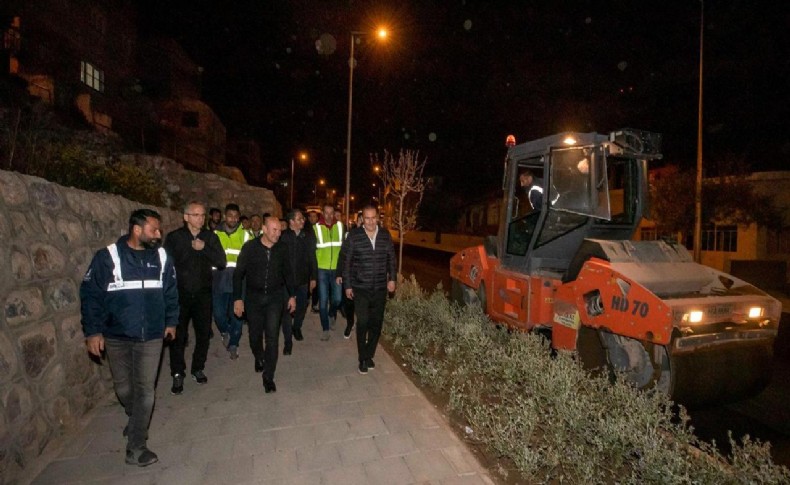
x,y
227,322
326,283
134,366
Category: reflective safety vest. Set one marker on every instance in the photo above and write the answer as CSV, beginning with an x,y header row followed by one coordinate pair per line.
x,y
119,284
232,244
328,243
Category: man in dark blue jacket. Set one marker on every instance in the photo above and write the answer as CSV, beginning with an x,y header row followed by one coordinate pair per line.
x,y
129,305
368,273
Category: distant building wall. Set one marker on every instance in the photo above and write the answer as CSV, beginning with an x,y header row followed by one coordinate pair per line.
x,y
48,235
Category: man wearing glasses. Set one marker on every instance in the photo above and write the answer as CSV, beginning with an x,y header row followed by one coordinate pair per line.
x,y
194,250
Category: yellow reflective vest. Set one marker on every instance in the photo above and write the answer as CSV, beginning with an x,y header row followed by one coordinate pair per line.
x,y
328,243
232,243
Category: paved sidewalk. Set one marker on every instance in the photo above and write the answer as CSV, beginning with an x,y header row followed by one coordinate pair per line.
x,y
325,424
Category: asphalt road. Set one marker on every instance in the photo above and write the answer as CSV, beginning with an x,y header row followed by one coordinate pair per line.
x,y
765,417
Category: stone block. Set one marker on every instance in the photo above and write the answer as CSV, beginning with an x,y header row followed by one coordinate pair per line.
x,y
38,349
8,359
70,329
17,403
21,265
46,195
24,305
52,382
13,189
5,227
60,413
48,226
70,231
62,294
47,259
24,227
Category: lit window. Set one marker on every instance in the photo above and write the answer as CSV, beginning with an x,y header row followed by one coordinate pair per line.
x,y
92,76
720,238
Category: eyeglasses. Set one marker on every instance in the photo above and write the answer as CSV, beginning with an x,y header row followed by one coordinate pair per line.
x,y
197,215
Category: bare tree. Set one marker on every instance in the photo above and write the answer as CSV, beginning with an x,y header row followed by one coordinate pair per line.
x,y
404,187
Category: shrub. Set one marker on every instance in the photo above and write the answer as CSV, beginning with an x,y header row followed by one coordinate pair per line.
x,y
547,415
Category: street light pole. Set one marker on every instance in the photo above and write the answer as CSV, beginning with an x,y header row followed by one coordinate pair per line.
x,y
382,34
348,135
292,184
698,188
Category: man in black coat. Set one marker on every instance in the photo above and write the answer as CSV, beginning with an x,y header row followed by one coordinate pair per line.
x,y
194,250
301,253
368,273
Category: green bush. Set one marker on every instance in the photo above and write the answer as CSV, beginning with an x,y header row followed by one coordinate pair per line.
x,y
547,415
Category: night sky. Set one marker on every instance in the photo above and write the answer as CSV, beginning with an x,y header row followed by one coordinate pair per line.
x,y
457,76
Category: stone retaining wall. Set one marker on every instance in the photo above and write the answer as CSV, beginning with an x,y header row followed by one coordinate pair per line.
x,y
48,235
216,191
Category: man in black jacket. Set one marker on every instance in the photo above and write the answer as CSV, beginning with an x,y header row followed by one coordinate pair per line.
x,y
129,303
264,267
301,252
368,273
194,250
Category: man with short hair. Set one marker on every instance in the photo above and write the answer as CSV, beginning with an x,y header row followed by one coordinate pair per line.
x,y
301,252
532,187
264,268
256,225
195,250
129,304
214,218
232,237
329,239
368,273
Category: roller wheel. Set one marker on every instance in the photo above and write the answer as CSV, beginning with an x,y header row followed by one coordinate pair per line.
x,y
468,296
643,365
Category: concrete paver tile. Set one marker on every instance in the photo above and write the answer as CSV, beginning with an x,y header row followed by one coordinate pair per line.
x,y
230,470
211,449
388,471
313,478
395,444
81,469
430,465
319,457
327,412
397,422
106,442
275,464
332,431
295,437
358,451
434,438
347,475
370,425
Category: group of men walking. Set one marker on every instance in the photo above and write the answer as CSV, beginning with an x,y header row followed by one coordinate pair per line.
x,y
137,295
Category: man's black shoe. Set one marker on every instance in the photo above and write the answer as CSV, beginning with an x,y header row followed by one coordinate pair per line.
x,y
258,365
298,334
347,331
178,384
287,349
363,367
199,377
370,364
314,309
141,457
268,386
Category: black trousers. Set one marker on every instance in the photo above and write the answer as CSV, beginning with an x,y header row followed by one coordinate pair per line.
x,y
263,320
290,322
369,309
195,306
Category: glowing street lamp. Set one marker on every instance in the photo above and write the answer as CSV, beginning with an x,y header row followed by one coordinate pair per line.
x,y
302,158
382,35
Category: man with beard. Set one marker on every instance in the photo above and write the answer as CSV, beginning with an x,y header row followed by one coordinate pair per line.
x,y
329,238
264,268
214,218
129,304
232,237
301,251
194,251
